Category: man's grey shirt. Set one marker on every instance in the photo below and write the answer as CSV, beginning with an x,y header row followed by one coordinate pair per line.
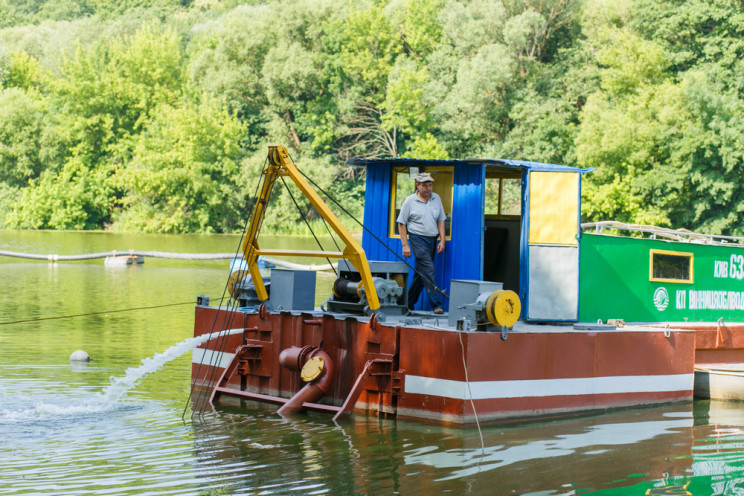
x,y
419,217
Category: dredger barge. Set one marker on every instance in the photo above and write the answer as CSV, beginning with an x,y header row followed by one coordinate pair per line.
x,y
542,318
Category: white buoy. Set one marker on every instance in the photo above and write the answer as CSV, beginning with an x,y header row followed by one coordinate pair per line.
x,y
79,356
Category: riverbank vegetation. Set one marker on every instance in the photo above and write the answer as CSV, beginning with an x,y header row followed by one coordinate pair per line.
x,y
154,115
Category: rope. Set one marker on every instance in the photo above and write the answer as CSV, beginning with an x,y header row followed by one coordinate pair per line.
x,y
222,335
330,233
120,310
467,383
219,344
470,394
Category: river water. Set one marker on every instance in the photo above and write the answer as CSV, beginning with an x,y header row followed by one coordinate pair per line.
x,y
114,426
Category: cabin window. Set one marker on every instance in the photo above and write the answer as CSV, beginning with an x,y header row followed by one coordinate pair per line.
x,y
503,194
671,266
403,185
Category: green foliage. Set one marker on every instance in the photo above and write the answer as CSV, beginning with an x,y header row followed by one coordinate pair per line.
x,y
28,141
420,27
9,196
154,115
693,32
8,17
112,8
629,62
20,12
427,147
22,71
370,48
182,173
118,82
227,58
405,107
74,198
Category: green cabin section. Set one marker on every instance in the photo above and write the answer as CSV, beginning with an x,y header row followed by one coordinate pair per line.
x,y
650,280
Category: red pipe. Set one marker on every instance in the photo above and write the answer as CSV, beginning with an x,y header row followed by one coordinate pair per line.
x,y
313,390
294,357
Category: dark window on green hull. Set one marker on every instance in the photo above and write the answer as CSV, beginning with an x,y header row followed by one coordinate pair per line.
x,y
671,266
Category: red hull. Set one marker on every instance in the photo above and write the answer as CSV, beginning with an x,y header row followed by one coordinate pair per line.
x,y
419,372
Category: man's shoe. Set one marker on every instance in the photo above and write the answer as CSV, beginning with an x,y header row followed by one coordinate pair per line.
x,y
439,310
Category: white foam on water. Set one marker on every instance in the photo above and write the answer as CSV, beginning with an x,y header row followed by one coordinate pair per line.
x,y
108,399
120,385
19,412
265,446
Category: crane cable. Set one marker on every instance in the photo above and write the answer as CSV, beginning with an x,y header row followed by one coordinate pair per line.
x,y
304,218
433,283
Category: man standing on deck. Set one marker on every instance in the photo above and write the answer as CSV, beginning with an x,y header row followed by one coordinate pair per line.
x,y
420,221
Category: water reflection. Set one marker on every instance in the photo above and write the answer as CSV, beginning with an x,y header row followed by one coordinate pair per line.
x,y
717,455
603,439
377,456
52,441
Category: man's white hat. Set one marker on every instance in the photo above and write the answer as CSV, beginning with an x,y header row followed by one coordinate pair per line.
x,y
424,177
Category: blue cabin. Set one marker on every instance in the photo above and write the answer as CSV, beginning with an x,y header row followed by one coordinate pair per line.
x,y
508,221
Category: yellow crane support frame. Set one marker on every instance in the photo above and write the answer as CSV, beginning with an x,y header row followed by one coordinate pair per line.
x,y
281,165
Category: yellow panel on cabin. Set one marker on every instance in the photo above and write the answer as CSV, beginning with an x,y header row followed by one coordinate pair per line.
x,y
554,208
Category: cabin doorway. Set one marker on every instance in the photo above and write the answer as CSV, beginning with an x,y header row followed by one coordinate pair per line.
x,y
503,227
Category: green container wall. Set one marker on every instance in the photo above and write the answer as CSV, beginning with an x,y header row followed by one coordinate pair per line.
x,y
614,282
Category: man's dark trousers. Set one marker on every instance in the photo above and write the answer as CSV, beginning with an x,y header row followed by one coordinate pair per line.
x,y
423,249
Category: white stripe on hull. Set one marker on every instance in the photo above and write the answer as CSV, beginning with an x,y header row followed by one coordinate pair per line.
x,y
207,357
483,390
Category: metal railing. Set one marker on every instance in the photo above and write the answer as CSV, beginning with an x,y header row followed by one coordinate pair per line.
x,y
654,232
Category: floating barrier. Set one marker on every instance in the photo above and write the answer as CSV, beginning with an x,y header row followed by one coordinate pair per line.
x,y
113,254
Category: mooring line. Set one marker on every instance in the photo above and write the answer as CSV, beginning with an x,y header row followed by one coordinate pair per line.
x,y
470,397
120,310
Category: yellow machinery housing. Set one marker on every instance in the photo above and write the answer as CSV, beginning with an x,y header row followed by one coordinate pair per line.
x,y
280,165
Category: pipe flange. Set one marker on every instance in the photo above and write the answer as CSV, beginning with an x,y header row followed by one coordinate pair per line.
x,y
312,369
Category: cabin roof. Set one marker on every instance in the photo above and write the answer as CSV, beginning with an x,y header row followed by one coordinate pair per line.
x,y
488,162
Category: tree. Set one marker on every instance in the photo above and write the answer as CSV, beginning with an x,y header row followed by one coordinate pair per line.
x,y
420,28
693,32
29,142
75,197
227,58
109,90
182,176
22,71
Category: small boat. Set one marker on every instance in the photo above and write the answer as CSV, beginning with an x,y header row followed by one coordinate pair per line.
x,y
545,316
723,381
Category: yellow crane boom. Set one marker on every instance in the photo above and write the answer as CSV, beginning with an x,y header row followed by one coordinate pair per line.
x,y
280,164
